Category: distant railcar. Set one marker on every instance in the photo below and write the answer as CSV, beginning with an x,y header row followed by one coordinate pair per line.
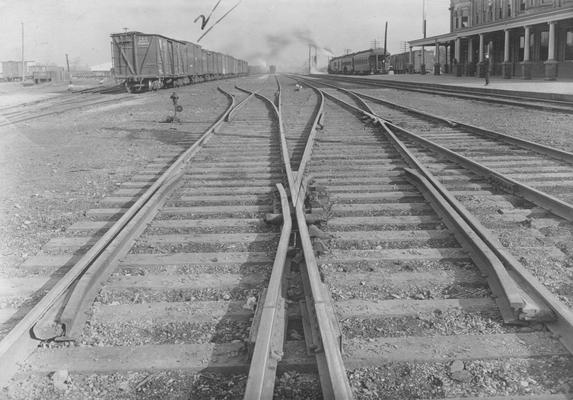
x,y
12,70
48,73
370,61
148,61
400,63
412,63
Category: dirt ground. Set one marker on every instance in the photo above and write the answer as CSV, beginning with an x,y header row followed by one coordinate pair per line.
x,y
55,168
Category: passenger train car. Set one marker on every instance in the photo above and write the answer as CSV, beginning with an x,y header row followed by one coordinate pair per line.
x,y
400,63
370,61
147,61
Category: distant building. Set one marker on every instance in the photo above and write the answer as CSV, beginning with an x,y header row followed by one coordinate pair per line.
x,y
101,67
520,38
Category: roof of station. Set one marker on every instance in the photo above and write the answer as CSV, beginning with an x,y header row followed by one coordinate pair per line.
x,y
374,51
518,22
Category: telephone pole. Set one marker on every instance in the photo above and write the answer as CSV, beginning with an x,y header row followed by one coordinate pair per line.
x,y
385,43
23,67
309,59
68,64
423,66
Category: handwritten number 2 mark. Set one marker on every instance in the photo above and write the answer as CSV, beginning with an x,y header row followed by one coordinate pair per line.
x,y
205,20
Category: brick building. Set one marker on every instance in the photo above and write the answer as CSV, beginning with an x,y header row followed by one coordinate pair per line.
x,y
521,38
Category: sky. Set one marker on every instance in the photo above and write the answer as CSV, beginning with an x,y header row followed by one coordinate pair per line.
x,y
260,31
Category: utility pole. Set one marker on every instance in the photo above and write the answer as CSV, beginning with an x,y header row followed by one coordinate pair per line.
x,y
315,59
68,64
23,66
423,66
385,43
309,59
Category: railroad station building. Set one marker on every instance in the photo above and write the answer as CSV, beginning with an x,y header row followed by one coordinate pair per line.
x,y
520,38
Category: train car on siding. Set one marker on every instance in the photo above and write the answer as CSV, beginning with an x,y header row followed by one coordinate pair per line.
x,y
370,61
401,64
150,61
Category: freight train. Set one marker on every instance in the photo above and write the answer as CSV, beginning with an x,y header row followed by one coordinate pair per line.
x,y
373,62
149,62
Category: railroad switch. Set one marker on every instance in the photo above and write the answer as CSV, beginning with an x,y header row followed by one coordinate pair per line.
x,y
316,205
176,108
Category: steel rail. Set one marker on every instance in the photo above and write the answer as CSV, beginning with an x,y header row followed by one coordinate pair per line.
x,y
307,153
12,348
284,148
262,372
562,324
334,381
492,256
239,106
541,199
72,317
18,120
267,352
509,297
536,147
336,374
560,318
490,96
278,97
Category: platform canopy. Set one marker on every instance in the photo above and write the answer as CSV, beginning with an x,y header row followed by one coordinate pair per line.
x,y
514,23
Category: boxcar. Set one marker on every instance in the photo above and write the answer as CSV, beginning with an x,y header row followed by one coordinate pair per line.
x,y
12,70
149,61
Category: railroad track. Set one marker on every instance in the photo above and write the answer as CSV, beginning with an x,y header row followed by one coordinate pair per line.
x,y
183,298
120,88
520,165
383,287
496,165
388,259
554,103
55,105
202,208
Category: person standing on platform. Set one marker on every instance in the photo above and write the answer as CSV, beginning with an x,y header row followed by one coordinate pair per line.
x,y
486,70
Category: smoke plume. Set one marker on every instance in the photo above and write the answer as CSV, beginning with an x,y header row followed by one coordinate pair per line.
x,y
276,44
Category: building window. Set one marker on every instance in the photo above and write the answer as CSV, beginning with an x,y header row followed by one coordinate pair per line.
x,y
465,18
521,47
569,44
522,5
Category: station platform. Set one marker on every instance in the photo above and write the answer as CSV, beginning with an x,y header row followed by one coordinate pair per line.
x,y
561,87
